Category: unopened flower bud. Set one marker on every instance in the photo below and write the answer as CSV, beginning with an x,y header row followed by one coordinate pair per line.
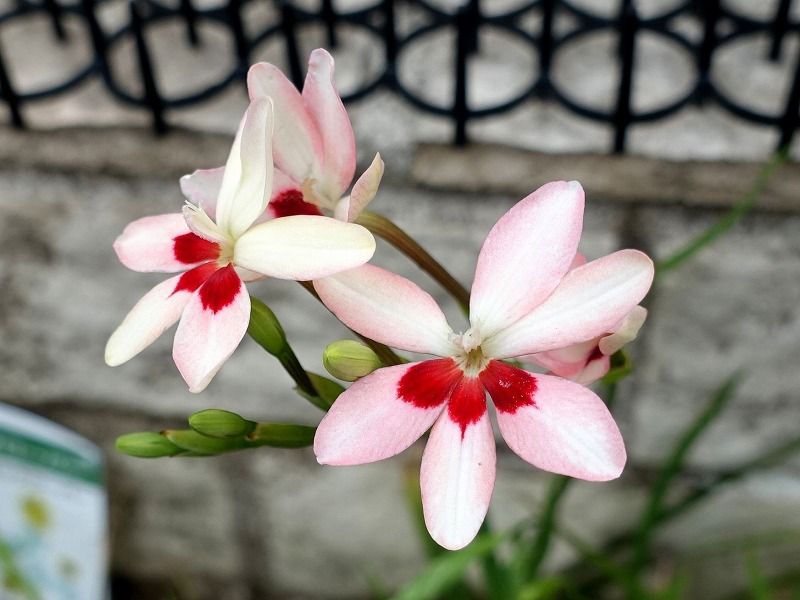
x,y
218,423
348,360
265,328
146,444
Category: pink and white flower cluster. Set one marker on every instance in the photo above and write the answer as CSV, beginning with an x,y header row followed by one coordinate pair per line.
x,y
227,234
534,299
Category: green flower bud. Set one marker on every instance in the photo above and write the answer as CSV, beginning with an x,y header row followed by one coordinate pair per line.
x,y
348,360
146,444
200,444
265,328
217,423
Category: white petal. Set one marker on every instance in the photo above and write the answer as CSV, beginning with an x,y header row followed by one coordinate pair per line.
x,y
157,310
590,301
525,255
387,308
457,479
303,247
247,182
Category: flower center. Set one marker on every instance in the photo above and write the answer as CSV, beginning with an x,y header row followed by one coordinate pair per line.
x,y
471,359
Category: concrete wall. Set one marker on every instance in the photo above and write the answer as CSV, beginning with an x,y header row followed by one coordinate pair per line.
x,y
272,523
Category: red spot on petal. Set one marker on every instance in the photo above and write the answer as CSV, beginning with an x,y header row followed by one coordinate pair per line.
x,y
220,289
428,384
191,280
290,203
467,403
510,388
190,248
596,354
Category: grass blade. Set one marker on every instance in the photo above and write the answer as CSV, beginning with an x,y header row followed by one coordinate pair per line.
x,y
743,206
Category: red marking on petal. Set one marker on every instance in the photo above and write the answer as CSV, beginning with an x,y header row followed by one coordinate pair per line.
x,y
467,403
290,203
220,289
190,248
595,355
191,280
428,384
510,388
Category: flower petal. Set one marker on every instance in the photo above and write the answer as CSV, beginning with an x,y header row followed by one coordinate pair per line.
x,y
565,429
303,247
201,188
387,308
325,107
364,191
247,181
626,332
525,255
564,362
157,310
162,243
296,143
213,323
457,479
590,302
385,412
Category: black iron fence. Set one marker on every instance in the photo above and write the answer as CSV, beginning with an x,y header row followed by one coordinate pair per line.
x,y
717,23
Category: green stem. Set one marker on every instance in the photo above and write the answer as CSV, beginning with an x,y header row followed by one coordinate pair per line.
x,y
673,465
387,355
739,210
296,371
547,519
386,229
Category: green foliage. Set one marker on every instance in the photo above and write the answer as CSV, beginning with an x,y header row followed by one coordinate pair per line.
x,y
213,432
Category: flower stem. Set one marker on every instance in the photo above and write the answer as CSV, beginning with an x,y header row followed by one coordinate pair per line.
x,y
383,227
387,355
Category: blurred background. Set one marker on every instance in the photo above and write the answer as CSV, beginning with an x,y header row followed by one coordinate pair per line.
x,y
665,110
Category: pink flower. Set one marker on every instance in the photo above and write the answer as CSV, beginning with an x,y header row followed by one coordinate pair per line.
x,y
588,361
218,245
314,147
523,301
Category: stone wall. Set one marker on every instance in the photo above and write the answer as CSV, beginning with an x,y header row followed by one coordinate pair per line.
x,y
272,523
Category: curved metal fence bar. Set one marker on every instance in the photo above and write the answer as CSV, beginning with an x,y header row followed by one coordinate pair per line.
x,y
718,23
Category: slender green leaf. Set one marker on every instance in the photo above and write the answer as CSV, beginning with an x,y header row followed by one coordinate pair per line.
x,y
743,206
446,570
673,466
759,587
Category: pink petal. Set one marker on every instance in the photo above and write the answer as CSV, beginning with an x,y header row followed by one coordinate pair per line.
x,y
247,181
364,191
296,143
325,107
564,362
384,413
525,255
201,188
213,323
157,310
303,247
387,308
626,332
457,479
558,426
595,369
162,243
589,302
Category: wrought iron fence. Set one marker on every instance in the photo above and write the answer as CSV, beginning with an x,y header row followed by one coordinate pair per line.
x,y
719,25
